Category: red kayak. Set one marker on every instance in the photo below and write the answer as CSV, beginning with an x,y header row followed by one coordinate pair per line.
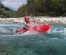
x,y
41,28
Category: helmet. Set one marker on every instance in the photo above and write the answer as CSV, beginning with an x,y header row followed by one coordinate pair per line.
x,y
26,17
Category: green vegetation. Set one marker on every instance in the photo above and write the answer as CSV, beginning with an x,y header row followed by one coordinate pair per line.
x,y
43,8
37,8
5,12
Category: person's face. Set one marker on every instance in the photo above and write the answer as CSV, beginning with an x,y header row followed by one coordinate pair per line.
x,y
27,20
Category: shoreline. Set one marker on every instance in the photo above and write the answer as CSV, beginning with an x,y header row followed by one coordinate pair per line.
x,y
36,19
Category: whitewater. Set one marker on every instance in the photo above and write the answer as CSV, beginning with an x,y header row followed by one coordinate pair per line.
x,y
32,43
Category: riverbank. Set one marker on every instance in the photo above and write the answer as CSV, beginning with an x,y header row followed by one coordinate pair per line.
x,y
36,19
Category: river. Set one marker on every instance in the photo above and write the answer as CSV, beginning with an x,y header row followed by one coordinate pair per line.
x,y
31,43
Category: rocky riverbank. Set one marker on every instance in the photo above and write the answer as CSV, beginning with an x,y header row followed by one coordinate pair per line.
x,y
36,19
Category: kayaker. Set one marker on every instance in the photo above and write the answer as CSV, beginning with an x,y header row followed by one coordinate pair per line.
x,y
32,26
26,22
26,19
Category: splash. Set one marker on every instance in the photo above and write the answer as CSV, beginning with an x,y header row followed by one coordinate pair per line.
x,y
11,32
57,32
4,31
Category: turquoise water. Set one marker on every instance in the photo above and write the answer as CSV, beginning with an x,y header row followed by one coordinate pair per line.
x,y
51,43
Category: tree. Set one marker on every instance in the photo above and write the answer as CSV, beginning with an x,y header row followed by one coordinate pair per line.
x,y
43,7
5,12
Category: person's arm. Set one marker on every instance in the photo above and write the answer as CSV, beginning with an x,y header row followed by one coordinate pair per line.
x,y
25,24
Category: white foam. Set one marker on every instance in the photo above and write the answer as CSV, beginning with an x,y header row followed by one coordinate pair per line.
x,y
30,32
56,31
3,30
65,31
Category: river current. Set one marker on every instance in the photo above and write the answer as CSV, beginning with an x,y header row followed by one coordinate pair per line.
x,y
32,43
